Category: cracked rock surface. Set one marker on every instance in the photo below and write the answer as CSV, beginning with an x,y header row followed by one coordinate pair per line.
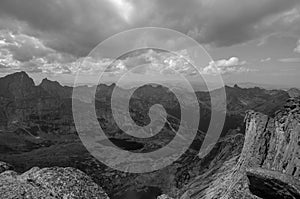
x,y
56,182
269,164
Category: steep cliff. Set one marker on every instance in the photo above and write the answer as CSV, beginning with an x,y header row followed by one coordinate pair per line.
x,y
269,164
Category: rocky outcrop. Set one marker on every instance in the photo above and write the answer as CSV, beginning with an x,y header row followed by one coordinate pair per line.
x,y
50,183
272,184
268,166
274,143
294,92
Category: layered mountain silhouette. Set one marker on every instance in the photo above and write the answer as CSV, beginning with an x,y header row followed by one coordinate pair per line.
x,y
37,129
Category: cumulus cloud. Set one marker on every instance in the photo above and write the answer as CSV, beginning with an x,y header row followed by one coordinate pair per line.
x,y
297,49
48,36
19,51
266,59
223,66
23,47
167,63
157,61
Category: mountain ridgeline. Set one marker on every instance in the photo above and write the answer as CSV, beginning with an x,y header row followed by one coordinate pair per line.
x,y
37,129
22,100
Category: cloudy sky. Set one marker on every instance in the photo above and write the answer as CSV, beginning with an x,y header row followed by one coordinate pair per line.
x,y
250,40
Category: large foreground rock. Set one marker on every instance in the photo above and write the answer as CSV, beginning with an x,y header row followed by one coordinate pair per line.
x,y
50,183
269,164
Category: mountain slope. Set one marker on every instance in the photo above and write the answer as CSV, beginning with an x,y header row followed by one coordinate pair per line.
x,y
55,89
37,129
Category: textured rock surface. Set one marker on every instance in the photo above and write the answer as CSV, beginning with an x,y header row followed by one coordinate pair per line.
x,y
164,197
270,156
4,167
56,182
36,124
275,142
272,184
294,92
268,166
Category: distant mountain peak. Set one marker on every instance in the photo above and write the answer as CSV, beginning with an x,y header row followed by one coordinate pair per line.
x,y
46,81
22,75
16,85
236,86
54,88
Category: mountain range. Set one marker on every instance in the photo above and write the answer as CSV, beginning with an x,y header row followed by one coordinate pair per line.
x,y
37,129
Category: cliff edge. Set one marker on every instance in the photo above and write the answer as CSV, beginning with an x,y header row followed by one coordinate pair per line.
x,y
269,164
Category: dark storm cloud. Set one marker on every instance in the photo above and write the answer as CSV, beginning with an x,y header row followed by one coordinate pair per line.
x,y
76,26
233,22
69,26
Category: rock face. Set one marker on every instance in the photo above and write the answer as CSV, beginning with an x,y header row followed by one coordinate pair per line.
x,y
270,159
50,183
268,166
272,153
276,142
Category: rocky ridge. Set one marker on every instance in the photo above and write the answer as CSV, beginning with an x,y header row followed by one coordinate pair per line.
x,y
50,183
38,121
268,166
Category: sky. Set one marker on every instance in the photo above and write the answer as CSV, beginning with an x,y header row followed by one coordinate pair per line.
x,y
254,41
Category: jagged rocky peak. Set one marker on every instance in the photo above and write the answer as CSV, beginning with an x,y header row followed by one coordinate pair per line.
x,y
19,77
274,143
54,88
236,86
16,85
50,183
46,82
271,153
269,164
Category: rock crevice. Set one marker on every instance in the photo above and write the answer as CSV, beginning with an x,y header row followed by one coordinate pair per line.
x,y
269,164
